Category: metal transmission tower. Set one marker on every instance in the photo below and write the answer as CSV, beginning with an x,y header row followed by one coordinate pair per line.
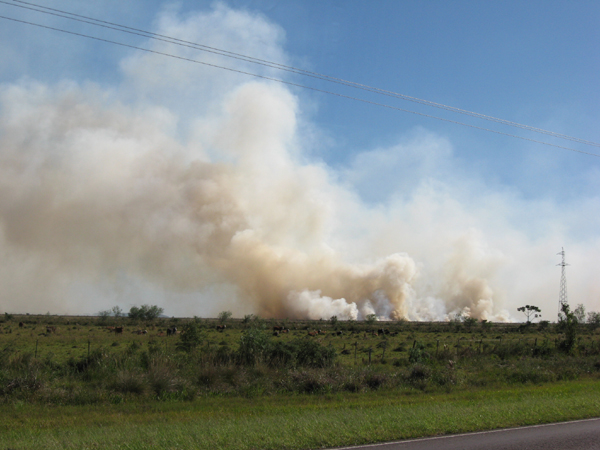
x,y
562,297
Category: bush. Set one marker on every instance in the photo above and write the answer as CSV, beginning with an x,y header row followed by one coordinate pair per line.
x,y
253,344
312,382
145,312
375,380
418,376
191,336
281,354
313,354
417,353
224,316
130,383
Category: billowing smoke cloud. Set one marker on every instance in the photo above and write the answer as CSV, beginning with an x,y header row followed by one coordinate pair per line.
x,y
202,200
90,191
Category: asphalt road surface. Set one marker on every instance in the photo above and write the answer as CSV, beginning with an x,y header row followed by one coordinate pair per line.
x,y
576,435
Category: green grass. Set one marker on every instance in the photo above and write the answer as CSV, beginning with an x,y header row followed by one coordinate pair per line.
x,y
292,422
138,391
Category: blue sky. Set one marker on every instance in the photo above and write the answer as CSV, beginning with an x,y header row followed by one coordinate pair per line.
x,y
463,217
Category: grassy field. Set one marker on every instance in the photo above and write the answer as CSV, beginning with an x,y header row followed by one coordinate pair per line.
x,y
81,385
297,422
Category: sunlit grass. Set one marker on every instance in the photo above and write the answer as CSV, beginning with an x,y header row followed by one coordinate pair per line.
x,y
292,422
138,391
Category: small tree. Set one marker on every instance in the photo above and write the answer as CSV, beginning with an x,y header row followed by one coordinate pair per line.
x,y
117,311
145,312
530,312
152,312
568,324
371,318
253,344
469,321
134,313
579,313
224,316
333,320
593,319
191,336
104,315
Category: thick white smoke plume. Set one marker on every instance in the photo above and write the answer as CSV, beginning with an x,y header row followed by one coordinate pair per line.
x,y
90,191
188,187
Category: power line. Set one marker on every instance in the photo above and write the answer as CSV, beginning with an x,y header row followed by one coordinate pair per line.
x,y
289,83
205,48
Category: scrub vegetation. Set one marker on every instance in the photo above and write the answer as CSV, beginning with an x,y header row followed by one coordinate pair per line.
x,y
151,367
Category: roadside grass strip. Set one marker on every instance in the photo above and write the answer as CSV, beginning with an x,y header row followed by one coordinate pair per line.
x,y
292,422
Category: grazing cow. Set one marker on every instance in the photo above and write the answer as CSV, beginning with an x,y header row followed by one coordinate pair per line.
x,y
339,333
275,333
171,331
277,328
50,329
21,324
312,333
221,328
119,330
285,330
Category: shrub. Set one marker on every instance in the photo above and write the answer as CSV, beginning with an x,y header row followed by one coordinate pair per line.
x,y
419,372
281,354
370,319
312,382
191,336
253,344
417,353
418,376
313,354
145,312
375,380
128,382
530,374
161,379
224,316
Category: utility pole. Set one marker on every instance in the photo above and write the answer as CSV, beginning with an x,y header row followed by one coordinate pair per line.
x,y
562,297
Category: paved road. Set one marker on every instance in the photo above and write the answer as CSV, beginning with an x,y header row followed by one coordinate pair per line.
x,y
576,435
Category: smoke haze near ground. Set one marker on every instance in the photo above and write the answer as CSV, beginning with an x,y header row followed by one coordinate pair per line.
x,y
193,188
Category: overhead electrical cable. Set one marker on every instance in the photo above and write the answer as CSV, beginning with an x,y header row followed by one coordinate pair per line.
x,y
289,83
172,40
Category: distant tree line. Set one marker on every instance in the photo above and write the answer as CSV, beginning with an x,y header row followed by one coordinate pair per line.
x,y
144,312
